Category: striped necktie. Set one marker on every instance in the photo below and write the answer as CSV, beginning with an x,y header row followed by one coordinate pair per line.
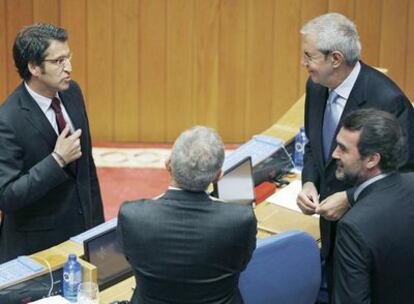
x,y
330,122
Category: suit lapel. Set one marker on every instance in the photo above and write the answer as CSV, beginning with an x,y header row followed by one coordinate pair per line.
x,y
36,117
75,115
72,110
356,99
321,97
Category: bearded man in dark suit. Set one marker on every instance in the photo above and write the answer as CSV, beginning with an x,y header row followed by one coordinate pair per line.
x,y
49,189
374,255
184,246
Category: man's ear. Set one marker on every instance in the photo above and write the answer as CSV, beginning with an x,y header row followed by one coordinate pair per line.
x,y
168,164
219,175
337,58
35,70
373,160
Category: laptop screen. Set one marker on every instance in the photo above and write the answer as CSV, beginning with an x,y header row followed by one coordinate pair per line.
x,y
103,251
237,185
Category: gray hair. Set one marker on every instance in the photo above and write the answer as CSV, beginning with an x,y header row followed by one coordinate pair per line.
x,y
196,158
335,32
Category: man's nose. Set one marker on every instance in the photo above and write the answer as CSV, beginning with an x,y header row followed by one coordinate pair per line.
x,y
68,66
335,153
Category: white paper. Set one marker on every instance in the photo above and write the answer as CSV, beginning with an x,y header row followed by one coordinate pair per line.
x,y
286,197
52,300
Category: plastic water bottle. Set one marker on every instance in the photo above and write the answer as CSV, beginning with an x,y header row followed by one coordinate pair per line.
x,y
72,277
300,142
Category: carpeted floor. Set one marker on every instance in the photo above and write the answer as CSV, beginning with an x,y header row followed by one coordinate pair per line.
x,y
121,184
131,172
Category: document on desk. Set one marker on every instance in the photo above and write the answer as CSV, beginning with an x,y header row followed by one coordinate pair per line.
x,y
286,197
51,300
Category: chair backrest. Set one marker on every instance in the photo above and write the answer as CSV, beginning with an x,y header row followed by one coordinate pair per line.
x,y
284,268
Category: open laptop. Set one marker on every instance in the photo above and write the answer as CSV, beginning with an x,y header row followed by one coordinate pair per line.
x,y
102,250
237,184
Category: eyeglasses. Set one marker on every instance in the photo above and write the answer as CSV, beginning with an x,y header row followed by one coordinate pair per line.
x,y
61,61
307,58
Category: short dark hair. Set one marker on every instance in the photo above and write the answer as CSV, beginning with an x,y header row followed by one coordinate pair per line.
x,y
31,44
381,133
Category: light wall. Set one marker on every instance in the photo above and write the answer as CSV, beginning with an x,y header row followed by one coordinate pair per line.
x,y
152,68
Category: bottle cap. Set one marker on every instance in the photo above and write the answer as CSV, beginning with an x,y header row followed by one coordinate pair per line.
x,y
72,256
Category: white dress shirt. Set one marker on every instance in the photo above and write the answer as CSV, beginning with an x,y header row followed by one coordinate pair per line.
x,y
344,90
45,104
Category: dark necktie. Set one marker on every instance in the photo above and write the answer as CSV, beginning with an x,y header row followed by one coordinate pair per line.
x,y
61,123
330,122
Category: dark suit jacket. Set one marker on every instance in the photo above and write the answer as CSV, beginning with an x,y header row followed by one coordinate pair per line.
x,y
374,255
43,204
372,89
186,248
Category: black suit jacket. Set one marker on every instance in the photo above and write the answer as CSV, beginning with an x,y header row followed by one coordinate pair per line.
x,y
374,255
372,89
186,248
42,204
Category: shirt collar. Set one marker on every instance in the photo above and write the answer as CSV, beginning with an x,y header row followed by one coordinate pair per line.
x,y
179,189
43,102
174,188
368,182
345,88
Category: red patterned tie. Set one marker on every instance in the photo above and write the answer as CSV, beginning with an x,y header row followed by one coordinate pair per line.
x,y
61,123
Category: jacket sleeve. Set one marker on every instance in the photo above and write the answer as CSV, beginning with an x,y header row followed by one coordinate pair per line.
x,y
19,188
97,211
351,264
310,171
405,114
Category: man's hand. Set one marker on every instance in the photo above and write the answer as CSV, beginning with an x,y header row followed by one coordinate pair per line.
x,y
333,207
308,198
68,147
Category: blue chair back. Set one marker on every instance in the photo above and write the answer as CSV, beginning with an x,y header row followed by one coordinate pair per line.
x,y
285,269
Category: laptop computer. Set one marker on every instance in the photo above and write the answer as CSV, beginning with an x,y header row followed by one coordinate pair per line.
x,y
102,250
237,184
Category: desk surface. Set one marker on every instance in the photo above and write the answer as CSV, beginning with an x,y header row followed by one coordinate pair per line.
x,y
272,219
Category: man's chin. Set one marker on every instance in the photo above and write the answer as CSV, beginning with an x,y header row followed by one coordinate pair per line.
x,y
339,175
64,86
314,78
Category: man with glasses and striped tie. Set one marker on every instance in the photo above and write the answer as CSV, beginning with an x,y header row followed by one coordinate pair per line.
x,y
339,83
49,189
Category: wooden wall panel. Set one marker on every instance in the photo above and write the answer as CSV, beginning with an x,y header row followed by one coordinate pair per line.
x,y
46,11
286,56
73,18
3,52
232,70
393,38
368,22
152,70
19,13
259,65
180,105
205,61
309,10
125,73
344,7
100,69
409,55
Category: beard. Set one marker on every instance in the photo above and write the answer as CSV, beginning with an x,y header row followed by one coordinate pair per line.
x,y
347,175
